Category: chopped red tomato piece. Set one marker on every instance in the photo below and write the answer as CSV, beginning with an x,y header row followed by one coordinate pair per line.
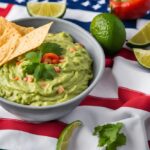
x,y
72,49
18,63
50,58
57,69
16,78
28,79
60,89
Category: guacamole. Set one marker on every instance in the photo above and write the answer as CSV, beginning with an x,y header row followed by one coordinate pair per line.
x,y
72,75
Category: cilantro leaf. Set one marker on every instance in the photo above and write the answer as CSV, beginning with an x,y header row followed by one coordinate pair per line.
x,y
30,68
50,48
43,71
49,72
112,146
110,136
39,71
33,57
121,140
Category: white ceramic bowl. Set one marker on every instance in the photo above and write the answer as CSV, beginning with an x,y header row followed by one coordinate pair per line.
x,y
39,114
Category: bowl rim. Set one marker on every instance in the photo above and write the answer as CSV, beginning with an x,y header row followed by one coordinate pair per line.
x,y
82,94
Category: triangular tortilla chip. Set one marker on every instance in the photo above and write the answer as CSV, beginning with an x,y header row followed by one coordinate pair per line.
x,y
22,30
31,40
3,25
9,46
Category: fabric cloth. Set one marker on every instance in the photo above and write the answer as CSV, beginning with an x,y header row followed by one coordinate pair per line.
x,y
122,95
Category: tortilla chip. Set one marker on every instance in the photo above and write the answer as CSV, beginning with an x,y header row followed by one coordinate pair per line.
x,y
9,31
8,48
16,40
3,25
31,40
22,30
9,37
4,36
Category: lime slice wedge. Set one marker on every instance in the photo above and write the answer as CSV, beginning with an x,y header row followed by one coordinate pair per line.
x,y
49,9
66,134
143,57
141,39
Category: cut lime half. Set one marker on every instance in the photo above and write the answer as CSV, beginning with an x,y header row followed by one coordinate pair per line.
x,y
66,134
143,57
47,9
141,39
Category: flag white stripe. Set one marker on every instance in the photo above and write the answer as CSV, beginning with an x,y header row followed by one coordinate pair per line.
x,y
17,12
3,5
131,75
19,140
107,86
80,15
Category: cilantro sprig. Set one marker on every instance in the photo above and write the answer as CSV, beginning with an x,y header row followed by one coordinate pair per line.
x,y
110,136
50,48
38,69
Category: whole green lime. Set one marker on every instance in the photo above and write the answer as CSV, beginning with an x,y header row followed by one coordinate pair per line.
x,y
109,31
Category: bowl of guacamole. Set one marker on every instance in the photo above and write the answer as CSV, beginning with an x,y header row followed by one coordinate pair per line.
x,y
51,80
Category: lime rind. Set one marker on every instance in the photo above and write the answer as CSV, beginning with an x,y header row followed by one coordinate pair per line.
x,y
109,31
141,39
66,134
143,57
47,9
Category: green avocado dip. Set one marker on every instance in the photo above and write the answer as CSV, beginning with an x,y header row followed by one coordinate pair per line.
x,y
53,73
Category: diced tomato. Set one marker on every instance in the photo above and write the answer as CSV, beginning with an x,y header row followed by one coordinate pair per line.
x,y
57,69
18,63
50,58
28,79
43,84
72,49
60,89
16,78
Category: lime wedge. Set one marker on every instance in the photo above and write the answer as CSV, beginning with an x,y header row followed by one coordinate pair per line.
x,y
143,57
141,39
66,134
49,9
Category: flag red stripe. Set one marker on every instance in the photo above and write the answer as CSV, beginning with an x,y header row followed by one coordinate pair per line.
x,y
134,99
127,98
126,53
108,62
111,103
50,129
149,143
4,11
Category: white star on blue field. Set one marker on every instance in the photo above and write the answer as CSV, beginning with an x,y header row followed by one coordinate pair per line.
x,y
87,5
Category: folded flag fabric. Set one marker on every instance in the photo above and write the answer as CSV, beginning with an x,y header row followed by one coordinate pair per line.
x,y
122,95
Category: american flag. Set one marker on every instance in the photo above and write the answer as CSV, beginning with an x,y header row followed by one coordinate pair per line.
x,y
122,95
95,6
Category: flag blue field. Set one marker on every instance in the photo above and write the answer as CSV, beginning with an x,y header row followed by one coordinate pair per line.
x,y
85,5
